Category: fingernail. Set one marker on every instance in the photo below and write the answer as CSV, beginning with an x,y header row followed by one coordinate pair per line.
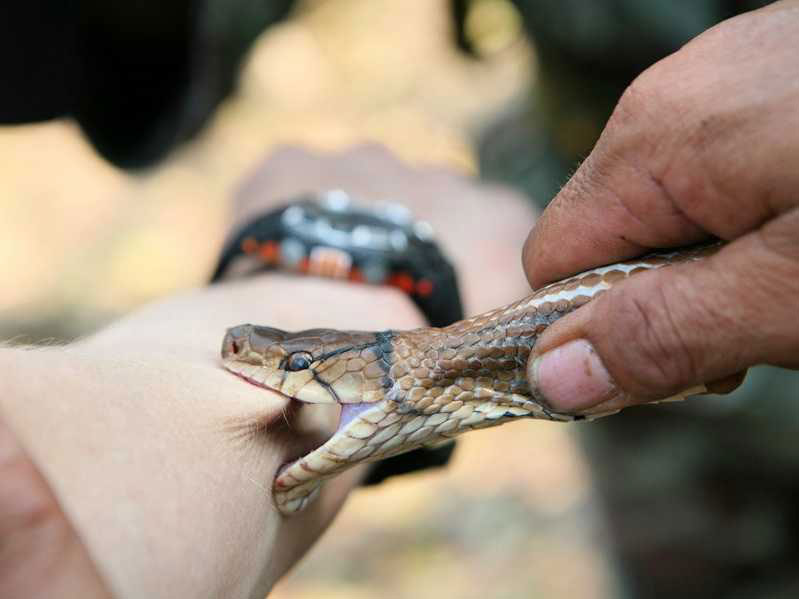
x,y
572,378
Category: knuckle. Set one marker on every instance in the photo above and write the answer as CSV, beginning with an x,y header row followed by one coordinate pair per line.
x,y
667,151
645,96
658,108
635,101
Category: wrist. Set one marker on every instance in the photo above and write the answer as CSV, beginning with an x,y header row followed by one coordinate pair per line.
x,y
190,327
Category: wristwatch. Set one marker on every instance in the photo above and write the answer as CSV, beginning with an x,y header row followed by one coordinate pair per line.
x,y
331,235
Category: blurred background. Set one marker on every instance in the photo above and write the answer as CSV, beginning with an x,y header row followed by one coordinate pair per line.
x,y
690,502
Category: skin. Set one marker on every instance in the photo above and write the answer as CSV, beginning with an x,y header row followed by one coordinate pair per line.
x,y
703,144
37,537
133,464
157,456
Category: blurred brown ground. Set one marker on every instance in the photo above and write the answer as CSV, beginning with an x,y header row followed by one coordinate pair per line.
x,y
81,243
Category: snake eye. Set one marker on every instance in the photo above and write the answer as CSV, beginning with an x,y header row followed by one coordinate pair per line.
x,y
299,361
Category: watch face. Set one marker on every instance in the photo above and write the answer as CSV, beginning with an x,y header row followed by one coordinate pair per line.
x,y
336,221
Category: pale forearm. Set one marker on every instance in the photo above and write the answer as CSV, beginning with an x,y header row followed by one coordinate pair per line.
x,y
141,435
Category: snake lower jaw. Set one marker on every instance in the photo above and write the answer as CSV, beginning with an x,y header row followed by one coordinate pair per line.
x,y
298,481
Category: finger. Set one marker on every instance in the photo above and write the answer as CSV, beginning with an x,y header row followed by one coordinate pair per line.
x,y
662,332
696,147
607,212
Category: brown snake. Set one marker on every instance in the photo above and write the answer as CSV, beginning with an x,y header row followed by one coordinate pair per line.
x,y
400,390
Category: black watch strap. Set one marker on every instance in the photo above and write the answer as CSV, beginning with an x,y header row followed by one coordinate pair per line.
x,y
380,247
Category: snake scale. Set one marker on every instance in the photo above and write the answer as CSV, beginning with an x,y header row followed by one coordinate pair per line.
x,y
400,390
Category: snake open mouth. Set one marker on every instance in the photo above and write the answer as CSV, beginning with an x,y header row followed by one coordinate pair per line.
x,y
347,414
399,390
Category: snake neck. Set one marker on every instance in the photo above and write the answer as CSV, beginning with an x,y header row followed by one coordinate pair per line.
x,y
480,361
484,358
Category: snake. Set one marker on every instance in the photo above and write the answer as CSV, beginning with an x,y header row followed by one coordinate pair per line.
x,y
401,390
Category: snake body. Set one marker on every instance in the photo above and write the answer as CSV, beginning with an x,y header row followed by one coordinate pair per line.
x,y
400,390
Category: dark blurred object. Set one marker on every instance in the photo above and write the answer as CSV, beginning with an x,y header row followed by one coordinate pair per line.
x,y
588,52
701,497
139,77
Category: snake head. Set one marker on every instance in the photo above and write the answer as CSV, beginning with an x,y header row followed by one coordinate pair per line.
x,y
313,366
348,368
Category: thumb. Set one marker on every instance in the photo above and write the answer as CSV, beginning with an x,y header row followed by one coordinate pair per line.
x,y
662,332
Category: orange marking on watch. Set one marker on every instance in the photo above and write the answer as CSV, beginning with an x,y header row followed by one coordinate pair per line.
x,y
424,287
249,245
269,251
330,262
402,280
